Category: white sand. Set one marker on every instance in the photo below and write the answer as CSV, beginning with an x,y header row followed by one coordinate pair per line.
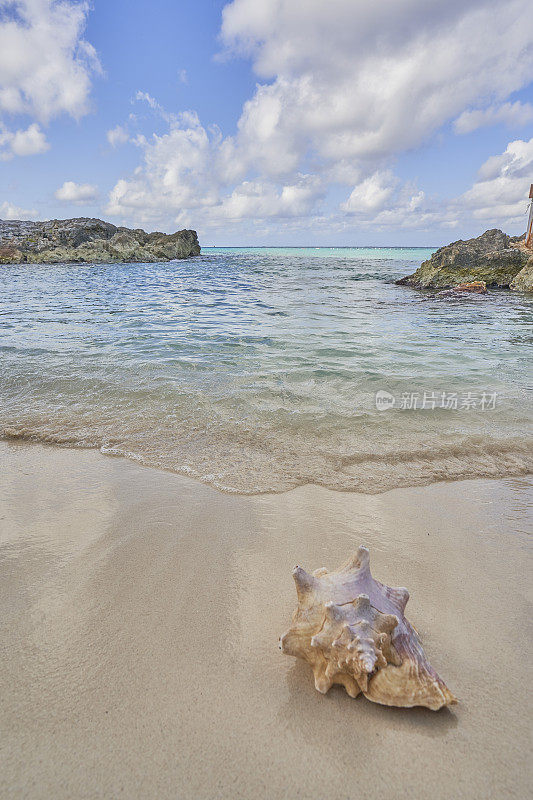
x,y
140,617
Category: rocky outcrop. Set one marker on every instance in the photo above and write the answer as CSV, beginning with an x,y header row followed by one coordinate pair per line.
x,y
523,282
89,240
493,257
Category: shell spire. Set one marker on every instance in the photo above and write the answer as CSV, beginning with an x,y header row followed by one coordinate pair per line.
x,y
352,631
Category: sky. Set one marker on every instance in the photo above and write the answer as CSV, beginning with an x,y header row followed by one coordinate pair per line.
x,y
270,122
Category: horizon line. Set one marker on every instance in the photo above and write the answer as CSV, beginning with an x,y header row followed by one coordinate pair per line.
x,y
325,246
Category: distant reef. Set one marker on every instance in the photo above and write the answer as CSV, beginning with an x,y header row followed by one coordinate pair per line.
x,y
501,261
84,240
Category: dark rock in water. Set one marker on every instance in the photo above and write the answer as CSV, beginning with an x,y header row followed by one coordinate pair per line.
x,y
494,257
84,240
476,287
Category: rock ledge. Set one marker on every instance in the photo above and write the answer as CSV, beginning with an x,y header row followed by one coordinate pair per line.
x,y
500,260
84,240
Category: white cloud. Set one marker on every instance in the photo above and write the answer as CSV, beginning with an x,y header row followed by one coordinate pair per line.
x,y
371,194
382,201
500,194
182,172
29,142
345,87
45,65
10,211
78,193
497,198
510,114
117,136
265,200
147,98
176,174
369,80
157,108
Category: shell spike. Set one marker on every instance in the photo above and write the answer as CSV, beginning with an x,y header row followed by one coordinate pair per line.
x,y
322,682
362,680
320,572
362,603
360,561
390,621
305,583
334,612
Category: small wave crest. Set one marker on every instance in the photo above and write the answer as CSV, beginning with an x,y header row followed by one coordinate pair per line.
x,y
247,465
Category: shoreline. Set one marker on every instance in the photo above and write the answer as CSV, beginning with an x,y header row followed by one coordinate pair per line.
x,y
142,611
9,436
261,373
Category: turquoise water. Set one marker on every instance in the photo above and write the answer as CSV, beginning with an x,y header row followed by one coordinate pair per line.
x,y
257,369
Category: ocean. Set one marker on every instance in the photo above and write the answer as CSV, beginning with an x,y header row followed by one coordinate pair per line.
x,y
262,369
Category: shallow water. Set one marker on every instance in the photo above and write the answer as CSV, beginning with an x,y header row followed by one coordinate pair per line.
x,y
257,369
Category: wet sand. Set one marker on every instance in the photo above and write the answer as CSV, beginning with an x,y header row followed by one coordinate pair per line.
x,y
140,618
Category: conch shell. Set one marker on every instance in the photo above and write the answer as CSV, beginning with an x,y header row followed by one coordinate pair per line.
x,y
352,630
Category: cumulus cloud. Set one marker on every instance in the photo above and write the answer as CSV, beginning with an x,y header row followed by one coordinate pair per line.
x,y
381,200
510,114
176,174
78,193
371,194
117,136
369,80
29,142
344,88
10,211
500,192
24,142
497,197
262,200
45,65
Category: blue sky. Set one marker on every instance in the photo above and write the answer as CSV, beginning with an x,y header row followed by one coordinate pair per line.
x,y
270,121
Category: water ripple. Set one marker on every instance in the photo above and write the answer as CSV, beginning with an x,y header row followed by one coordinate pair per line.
x,y
256,369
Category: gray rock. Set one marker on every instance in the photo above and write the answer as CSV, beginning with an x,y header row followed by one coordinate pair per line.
x,y
492,257
84,240
523,282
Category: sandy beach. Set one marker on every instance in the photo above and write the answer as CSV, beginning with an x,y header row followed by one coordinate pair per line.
x,y
266,400
141,613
